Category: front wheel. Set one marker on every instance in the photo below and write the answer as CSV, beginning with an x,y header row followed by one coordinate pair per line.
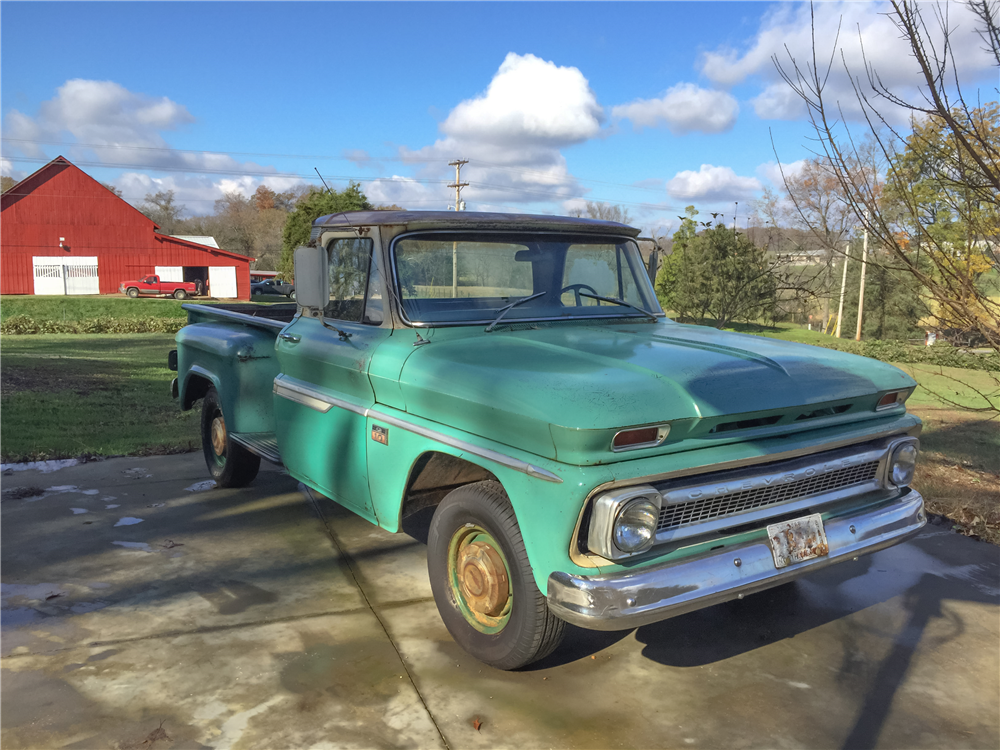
x,y
230,464
132,292
291,295
482,581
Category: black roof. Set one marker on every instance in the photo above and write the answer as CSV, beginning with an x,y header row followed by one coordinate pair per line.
x,y
473,220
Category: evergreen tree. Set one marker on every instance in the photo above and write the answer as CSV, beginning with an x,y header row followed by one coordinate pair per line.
x,y
316,203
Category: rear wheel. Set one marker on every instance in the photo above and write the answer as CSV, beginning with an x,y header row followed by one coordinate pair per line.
x,y
230,464
482,581
132,292
291,294
180,294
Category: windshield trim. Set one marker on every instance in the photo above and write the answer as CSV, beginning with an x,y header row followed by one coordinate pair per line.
x,y
397,297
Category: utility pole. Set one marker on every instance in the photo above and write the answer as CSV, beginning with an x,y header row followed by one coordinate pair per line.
x,y
861,294
843,289
458,184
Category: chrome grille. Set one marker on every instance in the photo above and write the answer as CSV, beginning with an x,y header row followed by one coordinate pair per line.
x,y
674,515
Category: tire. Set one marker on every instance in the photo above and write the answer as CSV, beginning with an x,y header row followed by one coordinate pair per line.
x,y
291,295
510,626
230,465
256,292
132,292
180,294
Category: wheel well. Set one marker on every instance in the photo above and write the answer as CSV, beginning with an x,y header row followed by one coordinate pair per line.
x,y
197,387
434,475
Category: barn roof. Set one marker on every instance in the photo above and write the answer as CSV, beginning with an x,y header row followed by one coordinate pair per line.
x,y
25,187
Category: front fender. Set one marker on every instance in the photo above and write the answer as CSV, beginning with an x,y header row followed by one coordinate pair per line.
x,y
546,507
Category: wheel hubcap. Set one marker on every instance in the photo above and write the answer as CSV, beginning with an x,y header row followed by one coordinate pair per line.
x,y
480,579
219,435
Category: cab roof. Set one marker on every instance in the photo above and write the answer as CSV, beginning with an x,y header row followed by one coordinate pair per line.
x,y
414,220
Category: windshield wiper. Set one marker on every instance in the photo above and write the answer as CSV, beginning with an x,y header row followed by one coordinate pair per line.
x,y
622,302
511,306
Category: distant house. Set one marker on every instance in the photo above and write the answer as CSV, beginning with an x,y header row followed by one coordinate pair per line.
x,y
63,232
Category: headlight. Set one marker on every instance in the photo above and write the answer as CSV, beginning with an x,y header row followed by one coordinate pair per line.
x,y
635,527
902,462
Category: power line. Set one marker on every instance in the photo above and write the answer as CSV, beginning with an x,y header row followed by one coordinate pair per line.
x,y
402,159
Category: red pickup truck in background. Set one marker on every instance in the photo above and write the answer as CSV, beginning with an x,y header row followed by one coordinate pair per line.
x,y
151,285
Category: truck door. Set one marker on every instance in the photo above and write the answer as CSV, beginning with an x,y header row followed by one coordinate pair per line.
x,y
323,436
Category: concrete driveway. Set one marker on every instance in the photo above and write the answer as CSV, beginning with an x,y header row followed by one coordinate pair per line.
x,y
141,610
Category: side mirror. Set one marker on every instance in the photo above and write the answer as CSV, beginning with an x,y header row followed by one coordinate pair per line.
x,y
312,289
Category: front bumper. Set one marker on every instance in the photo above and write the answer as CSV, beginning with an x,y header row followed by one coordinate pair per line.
x,y
620,601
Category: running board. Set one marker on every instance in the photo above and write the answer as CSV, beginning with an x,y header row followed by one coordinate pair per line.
x,y
263,444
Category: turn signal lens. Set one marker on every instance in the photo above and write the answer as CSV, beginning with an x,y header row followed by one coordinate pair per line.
x,y
635,526
640,437
892,398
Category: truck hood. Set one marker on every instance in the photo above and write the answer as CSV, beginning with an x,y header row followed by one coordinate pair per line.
x,y
534,388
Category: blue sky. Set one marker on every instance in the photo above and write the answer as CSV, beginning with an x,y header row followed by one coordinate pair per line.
x,y
653,106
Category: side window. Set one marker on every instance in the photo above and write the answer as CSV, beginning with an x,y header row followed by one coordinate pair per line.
x,y
355,281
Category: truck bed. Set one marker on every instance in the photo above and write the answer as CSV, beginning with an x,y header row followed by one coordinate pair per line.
x,y
261,316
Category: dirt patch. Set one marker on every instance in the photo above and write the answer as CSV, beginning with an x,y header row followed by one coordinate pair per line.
x,y
22,493
48,380
967,497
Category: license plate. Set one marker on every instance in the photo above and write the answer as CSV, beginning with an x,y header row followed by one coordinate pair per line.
x,y
797,540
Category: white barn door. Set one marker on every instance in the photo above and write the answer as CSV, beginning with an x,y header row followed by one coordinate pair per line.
x,y
222,281
65,275
169,273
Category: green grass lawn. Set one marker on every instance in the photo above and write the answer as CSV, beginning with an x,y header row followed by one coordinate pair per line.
x,y
70,309
68,395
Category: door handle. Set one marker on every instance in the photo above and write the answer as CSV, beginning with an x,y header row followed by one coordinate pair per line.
x,y
291,338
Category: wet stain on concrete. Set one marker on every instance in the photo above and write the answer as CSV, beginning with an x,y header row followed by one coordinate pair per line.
x,y
233,597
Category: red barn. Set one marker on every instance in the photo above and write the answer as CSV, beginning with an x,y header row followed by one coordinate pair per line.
x,y
63,232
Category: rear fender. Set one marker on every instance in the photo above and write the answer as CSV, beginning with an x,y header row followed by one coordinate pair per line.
x,y
239,362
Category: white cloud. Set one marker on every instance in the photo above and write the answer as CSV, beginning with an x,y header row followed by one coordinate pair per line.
x,y
512,134
529,101
8,169
406,192
113,126
197,193
865,32
772,171
712,184
684,108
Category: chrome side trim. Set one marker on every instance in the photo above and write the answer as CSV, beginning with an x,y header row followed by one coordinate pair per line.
x,y
640,596
300,393
462,445
307,395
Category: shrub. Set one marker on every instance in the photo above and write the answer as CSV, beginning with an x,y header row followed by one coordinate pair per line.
x,y
20,325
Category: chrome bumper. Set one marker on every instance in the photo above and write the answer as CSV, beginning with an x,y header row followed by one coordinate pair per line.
x,y
628,600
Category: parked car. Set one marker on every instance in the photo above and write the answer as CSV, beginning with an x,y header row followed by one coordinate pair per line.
x,y
587,459
273,286
152,286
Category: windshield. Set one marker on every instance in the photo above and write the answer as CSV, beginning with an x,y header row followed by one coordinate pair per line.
x,y
468,277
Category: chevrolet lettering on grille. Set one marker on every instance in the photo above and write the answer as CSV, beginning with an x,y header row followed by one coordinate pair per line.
x,y
760,482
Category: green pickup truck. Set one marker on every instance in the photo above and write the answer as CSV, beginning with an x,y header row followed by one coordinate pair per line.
x,y
588,460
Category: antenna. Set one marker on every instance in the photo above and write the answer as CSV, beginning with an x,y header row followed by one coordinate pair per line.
x,y
342,213
323,181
